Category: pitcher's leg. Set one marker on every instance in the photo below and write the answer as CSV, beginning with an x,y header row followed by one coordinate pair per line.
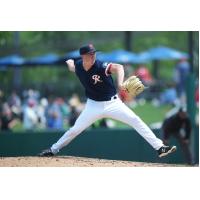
x,y
122,113
86,118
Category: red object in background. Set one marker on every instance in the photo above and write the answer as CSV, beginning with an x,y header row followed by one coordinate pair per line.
x,y
143,73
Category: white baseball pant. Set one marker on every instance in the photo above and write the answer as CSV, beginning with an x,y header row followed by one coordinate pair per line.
x,y
114,109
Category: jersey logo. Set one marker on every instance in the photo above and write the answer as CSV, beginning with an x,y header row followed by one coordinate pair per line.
x,y
96,79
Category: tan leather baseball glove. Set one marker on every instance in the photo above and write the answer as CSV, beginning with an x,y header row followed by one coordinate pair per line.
x,y
133,86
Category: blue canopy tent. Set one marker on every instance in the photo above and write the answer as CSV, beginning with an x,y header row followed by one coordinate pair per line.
x,y
165,53
47,59
143,57
73,54
14,60
121,56
118,56
162,53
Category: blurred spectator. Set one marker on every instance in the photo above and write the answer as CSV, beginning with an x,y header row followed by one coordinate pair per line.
x,y
182,69
31,94
169,96
30,118
7,119
54,115
40,111
14,102
1,96
64,108
144,74
73,116
178,125
74,101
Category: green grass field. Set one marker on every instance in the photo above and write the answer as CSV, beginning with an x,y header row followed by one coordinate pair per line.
x,y
150,113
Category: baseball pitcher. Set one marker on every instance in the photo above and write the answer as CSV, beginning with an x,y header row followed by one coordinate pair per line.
x,y
103,100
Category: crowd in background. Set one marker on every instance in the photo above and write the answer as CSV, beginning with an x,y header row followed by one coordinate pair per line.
x,y
35,111
163,92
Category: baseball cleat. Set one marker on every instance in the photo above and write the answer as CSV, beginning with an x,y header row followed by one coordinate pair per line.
x,y
46,153
165,150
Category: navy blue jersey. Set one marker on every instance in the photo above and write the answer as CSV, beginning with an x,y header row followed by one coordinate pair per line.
x,y
98,83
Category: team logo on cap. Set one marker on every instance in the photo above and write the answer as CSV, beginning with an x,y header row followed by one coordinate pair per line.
x,y
96,79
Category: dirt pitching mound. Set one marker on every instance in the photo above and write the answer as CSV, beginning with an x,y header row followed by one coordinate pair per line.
x,y
69,161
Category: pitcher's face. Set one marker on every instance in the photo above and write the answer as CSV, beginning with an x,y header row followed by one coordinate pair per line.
x,y
89,58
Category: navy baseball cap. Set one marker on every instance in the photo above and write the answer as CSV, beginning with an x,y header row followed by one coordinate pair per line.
x,y
87,49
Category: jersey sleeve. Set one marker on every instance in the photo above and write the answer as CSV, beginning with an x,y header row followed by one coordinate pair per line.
x,y
106,67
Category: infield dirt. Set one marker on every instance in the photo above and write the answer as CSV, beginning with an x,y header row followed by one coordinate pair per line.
x,y
69,161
